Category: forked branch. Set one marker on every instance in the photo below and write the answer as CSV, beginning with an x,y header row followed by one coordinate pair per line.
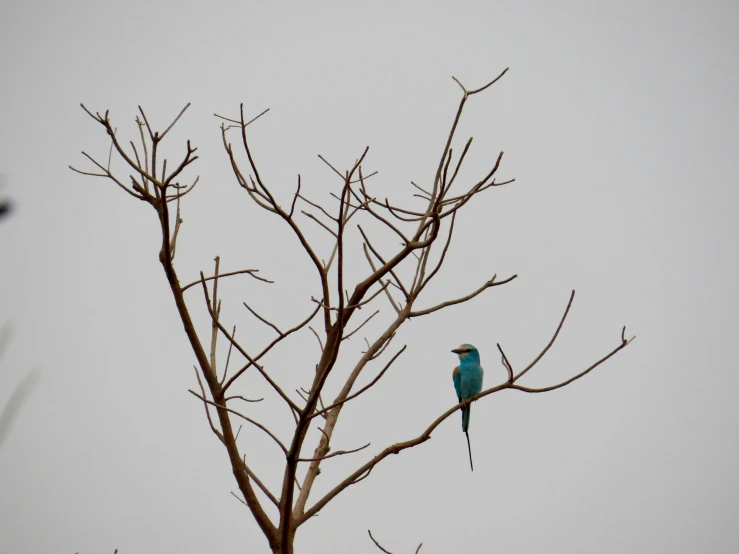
x,y
378,545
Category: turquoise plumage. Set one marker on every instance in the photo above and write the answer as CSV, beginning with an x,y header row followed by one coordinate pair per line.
x,y
467,377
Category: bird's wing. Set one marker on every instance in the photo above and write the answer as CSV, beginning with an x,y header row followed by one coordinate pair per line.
x,y
478,380
457,378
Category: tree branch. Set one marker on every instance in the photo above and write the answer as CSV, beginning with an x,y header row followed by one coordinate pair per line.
x,y
487,285
253,361
250,272
244,353
377,544
551,341
259,483
426,435
242,416
337,453
613,352
366,387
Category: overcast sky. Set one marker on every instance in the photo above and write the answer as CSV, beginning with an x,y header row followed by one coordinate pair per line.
x,y
619,122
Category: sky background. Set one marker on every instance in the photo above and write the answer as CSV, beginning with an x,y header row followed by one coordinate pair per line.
x,y
620,123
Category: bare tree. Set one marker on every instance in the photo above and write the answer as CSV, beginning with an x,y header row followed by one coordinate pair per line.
x,y
396,277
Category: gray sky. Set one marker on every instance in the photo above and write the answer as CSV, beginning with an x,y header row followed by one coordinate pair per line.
x,y
619,124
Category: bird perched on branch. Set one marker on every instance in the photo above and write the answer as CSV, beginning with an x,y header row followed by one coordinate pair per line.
x,y
467,377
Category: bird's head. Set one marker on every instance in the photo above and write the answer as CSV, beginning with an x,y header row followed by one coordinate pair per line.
x,y
467,351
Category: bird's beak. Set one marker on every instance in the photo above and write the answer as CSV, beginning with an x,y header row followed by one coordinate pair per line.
x,y
456,350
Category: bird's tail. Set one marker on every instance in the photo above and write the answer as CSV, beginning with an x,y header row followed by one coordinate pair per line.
x,y
466,418
465,427
469,449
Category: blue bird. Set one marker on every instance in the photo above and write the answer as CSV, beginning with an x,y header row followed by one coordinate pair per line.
x,y
467,377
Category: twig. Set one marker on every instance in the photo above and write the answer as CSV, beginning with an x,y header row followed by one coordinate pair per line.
x,y
328,439
107,174
427,193
377,543
216,432
295,198
487,285
228,356
318,207
214,324
244,353
239,499
506,363
260,318
245,418
252,361
251,272
259,483
176,119
321,223
624,343
551,341
302,395
337,453
345,337
471,92
176,232
360,391
238,122
239,397
320,342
